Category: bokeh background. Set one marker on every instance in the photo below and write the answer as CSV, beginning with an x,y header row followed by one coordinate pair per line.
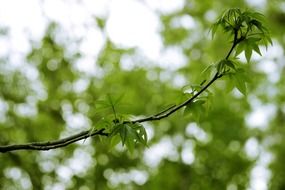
x,y
59,58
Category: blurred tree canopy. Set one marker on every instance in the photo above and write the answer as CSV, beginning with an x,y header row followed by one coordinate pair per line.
x,y
237,142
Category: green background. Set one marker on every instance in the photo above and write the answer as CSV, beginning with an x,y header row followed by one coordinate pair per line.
x,y
219,150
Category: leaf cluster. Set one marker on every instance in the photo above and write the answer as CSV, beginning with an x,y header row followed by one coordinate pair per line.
x,y
121,130
130,135
248,29
249,32
201,105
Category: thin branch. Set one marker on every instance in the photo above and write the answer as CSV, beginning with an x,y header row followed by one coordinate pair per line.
x,y
53,144
235,42
176,108
166,110
89,133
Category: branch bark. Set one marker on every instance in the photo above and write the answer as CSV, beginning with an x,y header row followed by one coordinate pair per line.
x,y
53,144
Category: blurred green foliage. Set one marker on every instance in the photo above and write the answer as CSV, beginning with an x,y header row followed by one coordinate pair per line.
x,y
218,147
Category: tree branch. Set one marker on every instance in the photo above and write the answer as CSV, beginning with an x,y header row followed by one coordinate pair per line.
x,y
89,133
53,144
172,110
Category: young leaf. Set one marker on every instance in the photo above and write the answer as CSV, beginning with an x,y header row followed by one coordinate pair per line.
x,y
123,133
214,29
102,104
116,130
118,99
221,66
114,141
196,109
131,137
240,84
230,64
266,39
130,143
240,48
141,135
229,82
256,49
239,79
248,52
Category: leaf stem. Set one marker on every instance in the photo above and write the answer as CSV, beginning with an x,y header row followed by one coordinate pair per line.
x,y
235,42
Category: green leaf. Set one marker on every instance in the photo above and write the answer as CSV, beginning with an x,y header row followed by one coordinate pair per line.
x,y
214,29
240,48
115,140
248,46
140,133
102,104
256,15
253,40
123,133
225,62
256,49
267,40
221,66
130,134
116,130
240,78
229,82
248,52
130,143
244,72
240,84
230,64
142,136
131,137
119,99
258,25
196,109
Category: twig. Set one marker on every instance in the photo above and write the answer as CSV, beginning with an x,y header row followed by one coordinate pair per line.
x,y
89,133
52,144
